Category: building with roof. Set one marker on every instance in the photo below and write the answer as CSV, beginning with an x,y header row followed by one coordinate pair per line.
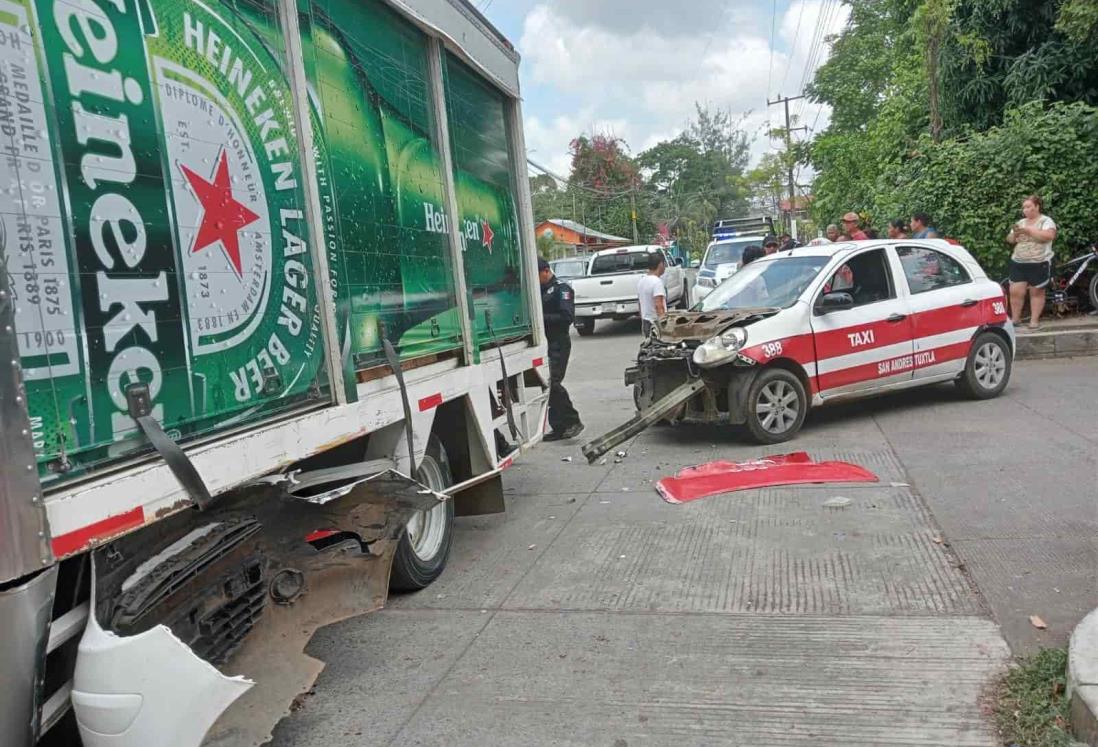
x,y
578,236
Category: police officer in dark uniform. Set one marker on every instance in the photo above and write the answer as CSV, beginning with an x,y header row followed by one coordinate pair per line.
x,y
558,306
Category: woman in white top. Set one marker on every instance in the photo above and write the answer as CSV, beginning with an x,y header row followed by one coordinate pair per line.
x,y
1031,263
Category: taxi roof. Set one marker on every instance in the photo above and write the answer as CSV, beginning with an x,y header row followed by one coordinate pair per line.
x,y
840,247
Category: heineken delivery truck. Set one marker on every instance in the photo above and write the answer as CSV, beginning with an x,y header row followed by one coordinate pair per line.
x,y
268,321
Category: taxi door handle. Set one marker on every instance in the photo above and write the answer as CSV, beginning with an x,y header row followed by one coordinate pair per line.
x,y
897,318
969,302
606,282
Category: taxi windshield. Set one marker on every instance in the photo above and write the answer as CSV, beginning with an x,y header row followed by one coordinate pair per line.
x,y
772,283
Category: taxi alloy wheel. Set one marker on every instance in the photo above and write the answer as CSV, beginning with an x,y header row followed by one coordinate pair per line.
x,y
776,406
987,370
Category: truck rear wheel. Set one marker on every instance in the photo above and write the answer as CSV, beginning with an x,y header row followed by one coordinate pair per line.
x,y
425,545
586,327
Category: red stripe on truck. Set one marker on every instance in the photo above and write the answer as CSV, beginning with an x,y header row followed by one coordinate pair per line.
x,y
539,362
112,526
428,402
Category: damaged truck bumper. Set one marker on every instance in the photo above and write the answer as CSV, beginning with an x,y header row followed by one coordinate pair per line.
x,y
221,616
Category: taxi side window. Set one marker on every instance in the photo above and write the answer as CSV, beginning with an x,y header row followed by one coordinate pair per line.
x,y
927,269
866,277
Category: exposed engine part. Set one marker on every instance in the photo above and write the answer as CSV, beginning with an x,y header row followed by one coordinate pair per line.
x,y
700,326
287,585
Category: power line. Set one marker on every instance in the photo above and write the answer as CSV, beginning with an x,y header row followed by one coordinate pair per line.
x,y
819,42
793,46
770,69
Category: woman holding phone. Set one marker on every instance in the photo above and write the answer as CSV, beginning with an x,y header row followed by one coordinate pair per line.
x,y
1031,263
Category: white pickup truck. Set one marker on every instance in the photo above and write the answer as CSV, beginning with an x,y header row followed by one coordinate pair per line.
x,y
609,289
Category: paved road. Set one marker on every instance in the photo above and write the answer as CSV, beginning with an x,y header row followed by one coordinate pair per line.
x,y
592,613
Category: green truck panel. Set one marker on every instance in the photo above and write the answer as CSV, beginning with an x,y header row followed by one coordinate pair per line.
x,y
154,221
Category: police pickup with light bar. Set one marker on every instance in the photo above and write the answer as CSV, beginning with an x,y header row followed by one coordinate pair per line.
x,y
725,252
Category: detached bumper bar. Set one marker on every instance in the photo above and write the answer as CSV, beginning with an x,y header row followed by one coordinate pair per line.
x,y
597,447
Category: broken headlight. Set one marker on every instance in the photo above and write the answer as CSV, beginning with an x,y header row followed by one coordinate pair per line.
x,y
720,349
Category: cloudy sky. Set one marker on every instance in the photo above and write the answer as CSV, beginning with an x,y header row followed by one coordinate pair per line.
x,y
634,68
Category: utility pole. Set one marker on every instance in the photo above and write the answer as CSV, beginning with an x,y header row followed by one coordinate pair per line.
x,y
633,213
789,130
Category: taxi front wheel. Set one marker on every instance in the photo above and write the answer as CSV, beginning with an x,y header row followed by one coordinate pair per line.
x,y
776,406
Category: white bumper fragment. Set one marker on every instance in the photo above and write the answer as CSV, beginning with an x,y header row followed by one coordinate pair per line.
x,y
147,689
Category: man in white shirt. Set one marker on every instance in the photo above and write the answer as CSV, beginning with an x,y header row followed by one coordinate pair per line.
x,y
651,294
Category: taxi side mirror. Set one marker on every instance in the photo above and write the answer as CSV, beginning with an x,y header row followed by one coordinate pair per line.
x,y
835,301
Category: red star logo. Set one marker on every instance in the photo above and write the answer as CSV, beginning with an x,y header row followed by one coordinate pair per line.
x,y
222,215
489,236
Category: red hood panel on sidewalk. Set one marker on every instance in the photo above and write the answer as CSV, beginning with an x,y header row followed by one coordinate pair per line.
x,y
784,469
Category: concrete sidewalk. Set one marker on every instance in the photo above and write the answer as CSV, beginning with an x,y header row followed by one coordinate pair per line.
x,y
593,613
1059,338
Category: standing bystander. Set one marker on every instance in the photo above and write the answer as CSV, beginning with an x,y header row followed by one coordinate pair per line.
x,y
651,293
921,228
1031,262
850,226
897,229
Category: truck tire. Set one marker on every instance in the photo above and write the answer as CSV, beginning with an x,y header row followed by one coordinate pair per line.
x,y
425,545
776,406
987,370
586,327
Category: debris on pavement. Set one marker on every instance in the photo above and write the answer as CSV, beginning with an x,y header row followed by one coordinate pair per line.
x,y
937,540
783,469
1037,622
622,454
531,547
839,501
566,459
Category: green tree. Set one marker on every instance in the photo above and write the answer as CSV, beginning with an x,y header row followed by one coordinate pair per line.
x,y
974,186
1000,54
697,177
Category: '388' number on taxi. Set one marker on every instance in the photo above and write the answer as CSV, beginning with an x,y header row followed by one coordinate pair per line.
x,y
770,349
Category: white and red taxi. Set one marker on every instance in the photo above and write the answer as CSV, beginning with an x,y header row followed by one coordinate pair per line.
x,y
817,324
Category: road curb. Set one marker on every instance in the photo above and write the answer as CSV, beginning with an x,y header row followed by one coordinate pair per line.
x,y
1083,679
1057,343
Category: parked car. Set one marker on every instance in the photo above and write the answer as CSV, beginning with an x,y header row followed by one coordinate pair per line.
x,y
826,323
570,267
609,290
